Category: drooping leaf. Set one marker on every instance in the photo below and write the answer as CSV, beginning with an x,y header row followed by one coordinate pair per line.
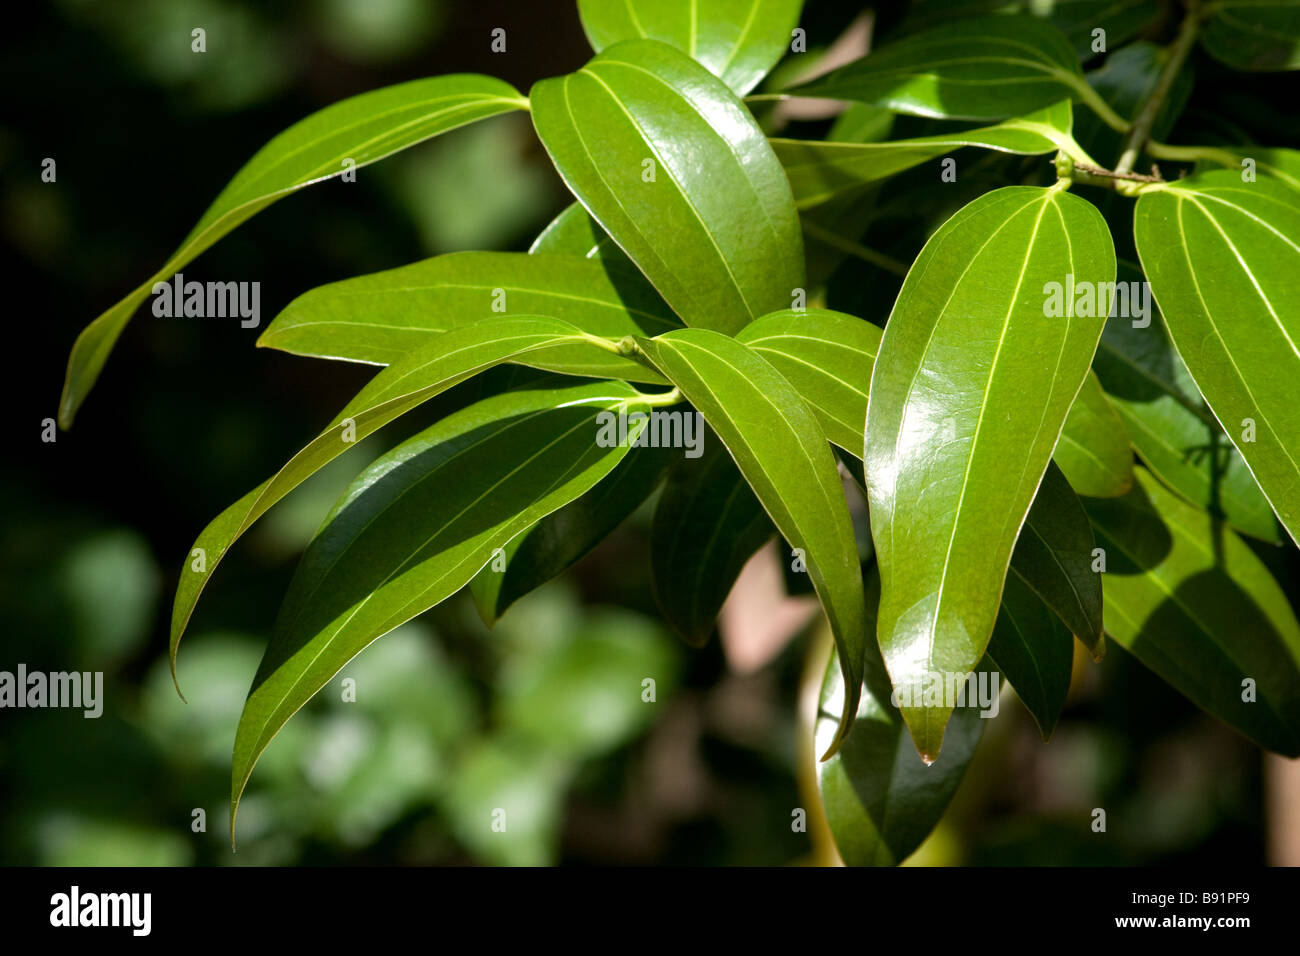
x,y
1223,260
1170,426
1253,34
820,171
881,800
449,359
674,168
983,68
1053,558
381,317
968,397
1094,447
1192,602
738,40
707,524
414,528
1034,651
827,357
783,454
362,129
543,551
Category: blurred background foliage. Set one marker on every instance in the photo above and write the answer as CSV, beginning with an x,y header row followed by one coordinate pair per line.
x,y
544,713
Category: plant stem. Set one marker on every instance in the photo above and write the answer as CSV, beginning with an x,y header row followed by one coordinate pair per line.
x,y
857,250
1177,53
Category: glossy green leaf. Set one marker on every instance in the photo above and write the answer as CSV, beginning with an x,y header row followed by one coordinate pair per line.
x,y
674,168
783,454
1034,651
574,232
362,129
738,40
827,357
820,171
449,359
381,317
968,397
983,68
707,524
1094,447
1223,260
1172,429
1253,34
1192,602
415,527
881,800
555,543
1053,558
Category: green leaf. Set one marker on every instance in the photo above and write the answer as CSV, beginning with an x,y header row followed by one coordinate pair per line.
x,y
827,357
363,129
574,232
1253,34
983,68
821,171
449,359
881,800
1034,651
557,541
968,398
783,454
381,317
415,527
1223,260
1053,557
674,168
1172,429
707,524
738,40
1192,602
1094,448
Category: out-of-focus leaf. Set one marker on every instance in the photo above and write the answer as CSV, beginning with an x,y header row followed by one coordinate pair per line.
x,y
707,524
362,129
675,169
1191,601
738,40
1253,34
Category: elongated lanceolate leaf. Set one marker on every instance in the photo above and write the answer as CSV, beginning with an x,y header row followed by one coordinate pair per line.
x,y
574,232
820,171
381,317
1034,651
362,129
415,527
1192,602
738,40
969,394
1094,447
674,168
983,68
449,359
1223,260
783,454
